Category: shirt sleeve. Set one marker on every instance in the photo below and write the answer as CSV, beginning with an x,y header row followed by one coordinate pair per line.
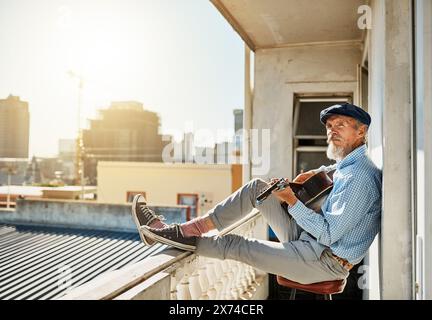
x,y
325,168
346,207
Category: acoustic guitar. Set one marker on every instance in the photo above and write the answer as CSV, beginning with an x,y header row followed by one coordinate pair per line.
x,y
312,192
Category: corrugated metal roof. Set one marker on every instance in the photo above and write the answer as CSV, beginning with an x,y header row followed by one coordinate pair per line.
x,y
45,262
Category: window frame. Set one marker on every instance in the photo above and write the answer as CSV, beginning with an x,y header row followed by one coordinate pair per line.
x,y
312,97
133,193
188,214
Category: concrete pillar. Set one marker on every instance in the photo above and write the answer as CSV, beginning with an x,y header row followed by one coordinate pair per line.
x,y
247,116
428,147
396,234
423,61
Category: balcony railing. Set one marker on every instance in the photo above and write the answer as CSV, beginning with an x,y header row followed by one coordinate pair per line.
x,y
174,274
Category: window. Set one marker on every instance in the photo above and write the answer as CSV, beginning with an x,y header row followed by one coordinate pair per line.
x,y
310,140
131,194
191,200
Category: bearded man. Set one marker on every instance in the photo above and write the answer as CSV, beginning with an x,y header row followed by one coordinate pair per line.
x,y
312,247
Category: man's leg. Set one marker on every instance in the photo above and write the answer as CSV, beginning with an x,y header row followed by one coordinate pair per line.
x,y
294,260
238,205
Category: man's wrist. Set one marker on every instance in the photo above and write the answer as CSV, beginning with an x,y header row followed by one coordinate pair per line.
x,y
291,201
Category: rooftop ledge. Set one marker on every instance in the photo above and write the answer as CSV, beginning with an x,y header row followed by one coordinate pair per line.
x,y
176,274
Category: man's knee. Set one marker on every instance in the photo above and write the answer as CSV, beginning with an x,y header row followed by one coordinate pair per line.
x,y
258,182
256,186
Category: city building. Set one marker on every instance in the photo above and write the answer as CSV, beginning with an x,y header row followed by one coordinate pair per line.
x,y
14,128
198,185
67,158
238,126
9,195
66,149
33,173
238,119
123,132
13,171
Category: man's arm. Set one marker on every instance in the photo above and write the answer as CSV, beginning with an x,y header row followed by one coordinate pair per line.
x,y
347,207
306,175
325,168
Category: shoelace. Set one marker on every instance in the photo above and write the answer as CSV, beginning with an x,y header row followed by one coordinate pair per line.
x,y
150,214
176,227
171,228
178,230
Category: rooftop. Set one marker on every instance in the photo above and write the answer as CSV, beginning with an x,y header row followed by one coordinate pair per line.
x,y
47,262
35,191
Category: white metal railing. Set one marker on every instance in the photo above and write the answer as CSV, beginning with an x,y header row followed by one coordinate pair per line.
x,y
198,277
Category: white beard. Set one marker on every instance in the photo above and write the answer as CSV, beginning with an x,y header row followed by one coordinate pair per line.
x,y
335,152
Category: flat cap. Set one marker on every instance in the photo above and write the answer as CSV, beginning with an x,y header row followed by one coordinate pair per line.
x,y
346,109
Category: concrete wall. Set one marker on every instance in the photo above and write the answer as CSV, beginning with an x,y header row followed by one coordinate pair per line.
x,y
427,85
375,137
281,73
162,182
390,144
86,215
423,106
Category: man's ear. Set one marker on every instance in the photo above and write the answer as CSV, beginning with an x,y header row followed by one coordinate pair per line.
x,y
362,130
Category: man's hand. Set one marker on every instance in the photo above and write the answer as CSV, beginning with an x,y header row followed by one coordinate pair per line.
x,y
302,177
286,195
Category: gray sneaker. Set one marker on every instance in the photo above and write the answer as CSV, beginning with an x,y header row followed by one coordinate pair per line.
x,y
143,216
171,235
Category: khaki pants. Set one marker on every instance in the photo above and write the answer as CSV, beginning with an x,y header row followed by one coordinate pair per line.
x,y
297,256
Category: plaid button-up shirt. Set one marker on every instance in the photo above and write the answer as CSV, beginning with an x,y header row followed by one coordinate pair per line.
x,y
350,217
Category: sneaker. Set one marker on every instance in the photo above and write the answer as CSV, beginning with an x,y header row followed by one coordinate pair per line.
x,y
171,235
143,216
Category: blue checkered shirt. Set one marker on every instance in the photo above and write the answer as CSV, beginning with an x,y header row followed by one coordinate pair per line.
x,y
351,215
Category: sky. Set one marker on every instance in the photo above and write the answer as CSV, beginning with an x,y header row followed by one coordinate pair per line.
x,y
180,58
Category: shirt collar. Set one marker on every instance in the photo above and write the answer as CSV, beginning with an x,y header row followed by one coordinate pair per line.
x,y
352,157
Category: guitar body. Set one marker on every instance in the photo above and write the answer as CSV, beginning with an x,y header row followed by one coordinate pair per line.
x,y
314,191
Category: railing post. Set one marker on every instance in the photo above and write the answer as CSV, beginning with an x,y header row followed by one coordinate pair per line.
x,y
211,278
173,285
249,279
183,289
236,291
203,280
194,286
229,294
219,284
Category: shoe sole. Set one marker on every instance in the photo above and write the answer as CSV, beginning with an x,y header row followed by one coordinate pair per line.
x,y
135,217
163,240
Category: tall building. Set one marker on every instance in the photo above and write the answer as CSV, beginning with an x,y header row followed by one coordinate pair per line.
x,y
123,132
33,173
67,158
13,169
238,125
14,128
238,119
66,149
